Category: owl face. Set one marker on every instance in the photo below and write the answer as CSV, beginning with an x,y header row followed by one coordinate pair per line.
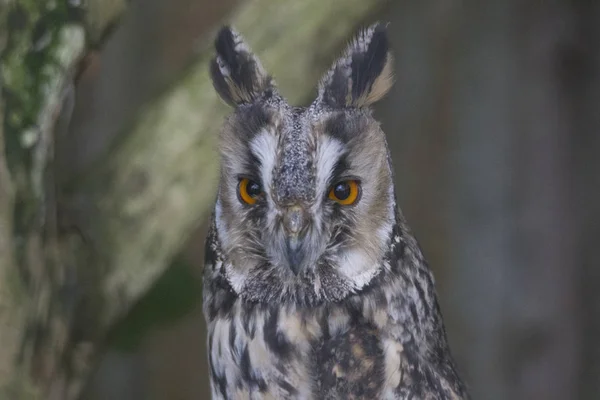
x,y
306,204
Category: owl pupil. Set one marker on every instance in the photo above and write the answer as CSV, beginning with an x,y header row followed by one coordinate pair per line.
x,y
253,189
342,190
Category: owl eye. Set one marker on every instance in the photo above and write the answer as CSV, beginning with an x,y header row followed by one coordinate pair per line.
x,y
249,191
345,193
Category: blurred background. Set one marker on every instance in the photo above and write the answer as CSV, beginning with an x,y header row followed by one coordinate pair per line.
x,y
494,126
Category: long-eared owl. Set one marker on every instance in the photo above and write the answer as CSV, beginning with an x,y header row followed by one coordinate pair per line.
x,y
314,286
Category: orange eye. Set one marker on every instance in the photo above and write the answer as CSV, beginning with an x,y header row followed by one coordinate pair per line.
x,y
345,192
249,191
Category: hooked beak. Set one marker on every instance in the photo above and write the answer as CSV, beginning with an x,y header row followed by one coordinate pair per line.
x,y
294,221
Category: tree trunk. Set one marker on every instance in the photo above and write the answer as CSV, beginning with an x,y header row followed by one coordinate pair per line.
x,y
42,45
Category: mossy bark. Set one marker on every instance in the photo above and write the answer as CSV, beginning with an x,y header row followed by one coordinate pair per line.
x,y
42,44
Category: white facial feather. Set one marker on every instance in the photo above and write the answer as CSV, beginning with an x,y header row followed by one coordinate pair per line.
x,y
329,151
358,267
264,147
236,277
220,223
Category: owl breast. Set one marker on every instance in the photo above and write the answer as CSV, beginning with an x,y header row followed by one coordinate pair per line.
x,y
257,352
280,353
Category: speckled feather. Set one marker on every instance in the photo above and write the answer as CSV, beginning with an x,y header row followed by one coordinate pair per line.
x,y
359,318
296,145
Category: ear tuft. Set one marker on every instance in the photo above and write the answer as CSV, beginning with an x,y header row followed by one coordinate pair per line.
x,y
363,75
236,72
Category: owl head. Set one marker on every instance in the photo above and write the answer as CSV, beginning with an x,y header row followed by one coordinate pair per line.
x,y
305,206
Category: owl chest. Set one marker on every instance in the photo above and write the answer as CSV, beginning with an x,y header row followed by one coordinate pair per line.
x,y
277,354
262,354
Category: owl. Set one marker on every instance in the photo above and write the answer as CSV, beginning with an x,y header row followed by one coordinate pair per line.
x,y
314,286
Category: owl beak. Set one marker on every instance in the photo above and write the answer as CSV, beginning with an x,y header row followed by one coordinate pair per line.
x,y
295,253
294,221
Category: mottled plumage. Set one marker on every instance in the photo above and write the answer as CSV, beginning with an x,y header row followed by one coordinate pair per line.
x,y
308,295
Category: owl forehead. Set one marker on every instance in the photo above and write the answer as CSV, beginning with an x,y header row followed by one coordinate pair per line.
x,y
293,176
